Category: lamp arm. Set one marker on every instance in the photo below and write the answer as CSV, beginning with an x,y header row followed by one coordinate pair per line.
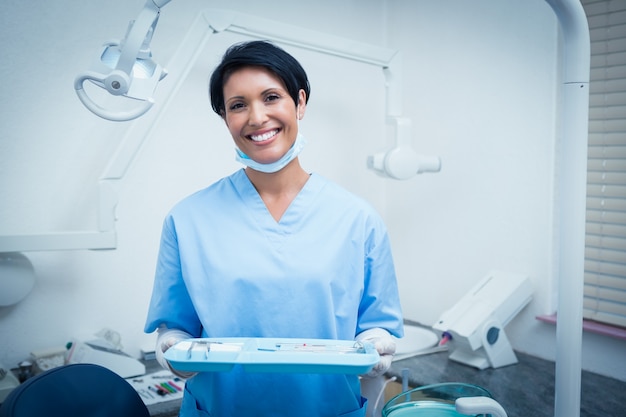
x,y
139,33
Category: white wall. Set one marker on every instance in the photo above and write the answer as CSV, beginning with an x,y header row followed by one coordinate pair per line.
x,y
482,96
480,87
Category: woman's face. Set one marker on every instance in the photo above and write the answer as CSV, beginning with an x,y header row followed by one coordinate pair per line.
x,y
260,114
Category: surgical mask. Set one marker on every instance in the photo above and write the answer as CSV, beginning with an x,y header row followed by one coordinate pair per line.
x,y
270,168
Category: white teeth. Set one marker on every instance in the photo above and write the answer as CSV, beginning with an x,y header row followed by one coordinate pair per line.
x,y
264,136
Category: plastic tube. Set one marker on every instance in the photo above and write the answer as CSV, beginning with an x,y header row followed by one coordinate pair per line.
x,y
445,338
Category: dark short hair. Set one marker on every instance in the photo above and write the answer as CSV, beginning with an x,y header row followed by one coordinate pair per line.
x,y
257,54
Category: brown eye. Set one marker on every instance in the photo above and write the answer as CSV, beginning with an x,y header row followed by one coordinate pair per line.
x,y
235,106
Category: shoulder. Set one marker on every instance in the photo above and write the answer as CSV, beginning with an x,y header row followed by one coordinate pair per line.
x,y
216,194
338,197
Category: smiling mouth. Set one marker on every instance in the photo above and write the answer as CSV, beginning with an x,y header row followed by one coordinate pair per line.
x,y
264,136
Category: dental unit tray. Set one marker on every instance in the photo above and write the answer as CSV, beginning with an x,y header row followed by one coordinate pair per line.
x,y
273,355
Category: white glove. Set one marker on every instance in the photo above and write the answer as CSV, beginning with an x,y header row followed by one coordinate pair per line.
x,y
384,345
166,339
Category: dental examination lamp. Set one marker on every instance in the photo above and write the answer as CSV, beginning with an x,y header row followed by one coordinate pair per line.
x,y
126,68
474,326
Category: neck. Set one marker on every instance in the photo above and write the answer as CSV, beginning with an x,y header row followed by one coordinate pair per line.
x,y
290,177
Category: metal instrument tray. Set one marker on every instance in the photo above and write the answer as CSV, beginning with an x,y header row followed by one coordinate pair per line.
x,y
273,355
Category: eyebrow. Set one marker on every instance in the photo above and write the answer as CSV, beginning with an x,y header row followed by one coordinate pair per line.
x,y
233,98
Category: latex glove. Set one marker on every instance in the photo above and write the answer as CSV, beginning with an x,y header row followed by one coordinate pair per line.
x,y
166,339
384,345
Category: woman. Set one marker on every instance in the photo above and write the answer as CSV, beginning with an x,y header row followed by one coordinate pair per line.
x,y
272,251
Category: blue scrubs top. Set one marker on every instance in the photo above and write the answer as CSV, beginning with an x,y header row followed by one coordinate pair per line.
x,y
226,268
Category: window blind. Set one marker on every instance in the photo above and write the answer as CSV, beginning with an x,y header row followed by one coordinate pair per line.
x,y
605,242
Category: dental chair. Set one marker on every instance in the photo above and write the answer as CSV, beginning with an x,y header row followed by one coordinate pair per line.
x,y
76,390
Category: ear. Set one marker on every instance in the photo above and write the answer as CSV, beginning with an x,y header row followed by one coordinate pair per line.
x,y
301,107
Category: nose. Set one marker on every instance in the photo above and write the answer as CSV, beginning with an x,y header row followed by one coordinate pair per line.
x,y
257,114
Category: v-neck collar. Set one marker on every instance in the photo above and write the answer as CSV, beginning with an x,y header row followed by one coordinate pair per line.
x,y
291,220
